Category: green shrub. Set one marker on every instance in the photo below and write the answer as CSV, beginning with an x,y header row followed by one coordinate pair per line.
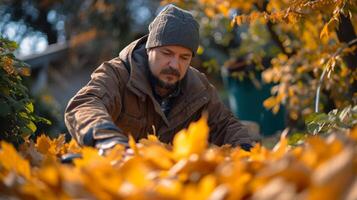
x,y
342,119
17,117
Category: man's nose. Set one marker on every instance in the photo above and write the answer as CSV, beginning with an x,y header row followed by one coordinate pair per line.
x,y
174,63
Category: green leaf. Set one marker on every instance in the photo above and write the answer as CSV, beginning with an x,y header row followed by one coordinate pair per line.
x,y
354,109
31,126
317,118
25,131
295,138
29,107
6,53
44,120
310,118
24,115
344,113
11,45
313,128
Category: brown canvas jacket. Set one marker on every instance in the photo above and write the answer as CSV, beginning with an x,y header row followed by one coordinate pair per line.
x,y
119,100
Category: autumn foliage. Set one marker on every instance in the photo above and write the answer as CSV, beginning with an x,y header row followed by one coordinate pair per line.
x,y
303,39
322,168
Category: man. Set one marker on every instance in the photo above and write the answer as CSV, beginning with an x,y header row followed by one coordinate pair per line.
x,y
150,88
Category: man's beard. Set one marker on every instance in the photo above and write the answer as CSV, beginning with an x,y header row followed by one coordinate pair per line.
x,y
166,85
163,84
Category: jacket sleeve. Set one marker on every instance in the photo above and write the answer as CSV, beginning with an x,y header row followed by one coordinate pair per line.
x,y
224,127
91,113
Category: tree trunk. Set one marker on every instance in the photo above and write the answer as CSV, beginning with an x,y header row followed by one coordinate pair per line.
x,y
346,33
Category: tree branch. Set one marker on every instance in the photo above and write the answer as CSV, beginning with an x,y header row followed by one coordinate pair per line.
x,y
273,34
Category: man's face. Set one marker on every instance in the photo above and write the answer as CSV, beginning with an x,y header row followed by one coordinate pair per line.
x,y
169,64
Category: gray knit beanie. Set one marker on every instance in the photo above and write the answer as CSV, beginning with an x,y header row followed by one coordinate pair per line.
x,y
174,26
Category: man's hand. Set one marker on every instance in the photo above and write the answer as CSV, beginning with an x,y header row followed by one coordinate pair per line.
x,y
106,144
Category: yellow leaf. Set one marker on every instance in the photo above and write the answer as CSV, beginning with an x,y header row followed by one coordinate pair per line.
x,y
51,148
72,147
10,160
50,175
224,9
233,21
136,172
291,92
201,191
29,107
270,102
58,145
327,27
276,108
281,148
238,187
200,50
158,155
206,185
90,159
353,133
115,154
43,144
193,140
169,188
332,179
132,145
258,153
239,20
282,57
294,115
153,138
24,71
210,12
31,126
7,65
83,37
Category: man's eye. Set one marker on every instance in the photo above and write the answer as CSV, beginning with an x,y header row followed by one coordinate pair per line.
x,y
166,53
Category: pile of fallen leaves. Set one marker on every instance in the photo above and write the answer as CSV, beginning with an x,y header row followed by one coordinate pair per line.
x,y
321,168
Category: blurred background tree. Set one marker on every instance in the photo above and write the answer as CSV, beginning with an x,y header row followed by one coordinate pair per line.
x,y
63,41
60,20
270,53
292,43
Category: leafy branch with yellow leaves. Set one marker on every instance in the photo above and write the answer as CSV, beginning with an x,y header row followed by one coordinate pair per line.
x,y
306,35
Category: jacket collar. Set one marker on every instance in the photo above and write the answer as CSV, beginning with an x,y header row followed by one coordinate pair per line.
x,y
135,56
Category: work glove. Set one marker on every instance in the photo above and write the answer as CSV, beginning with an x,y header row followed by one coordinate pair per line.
x,y
104,145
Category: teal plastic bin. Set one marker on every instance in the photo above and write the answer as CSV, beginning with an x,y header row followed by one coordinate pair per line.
x,y
246,102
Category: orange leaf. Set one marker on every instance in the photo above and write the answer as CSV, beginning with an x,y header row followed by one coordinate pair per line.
x,y
281,148
43,144
132,144
193,140
10,160
270,102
